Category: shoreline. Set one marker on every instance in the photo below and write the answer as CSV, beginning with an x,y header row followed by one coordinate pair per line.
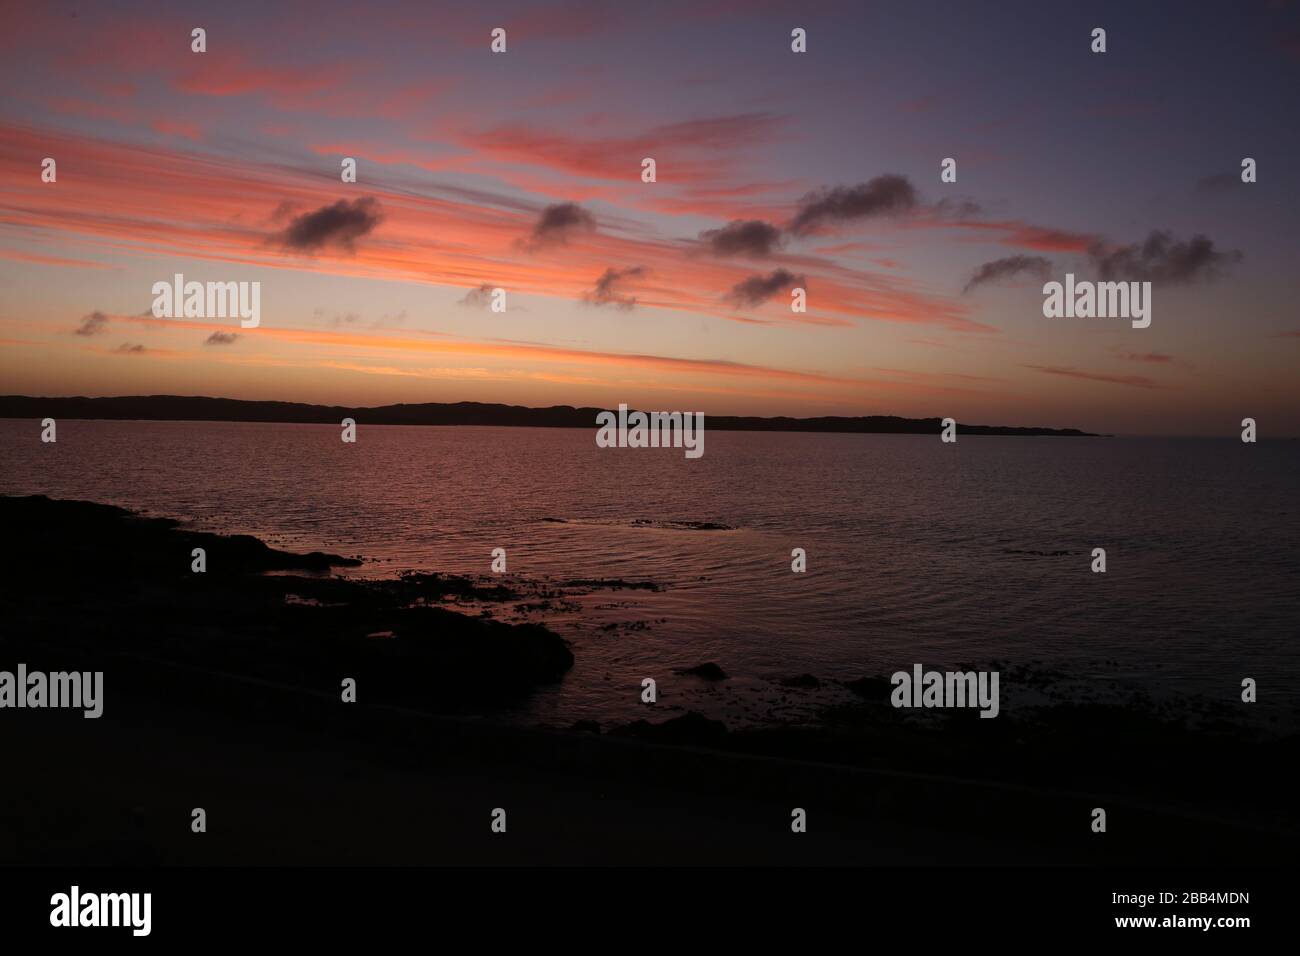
x,y
203,676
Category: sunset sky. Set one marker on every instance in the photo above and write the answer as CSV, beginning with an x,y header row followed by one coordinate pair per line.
x,y
522,171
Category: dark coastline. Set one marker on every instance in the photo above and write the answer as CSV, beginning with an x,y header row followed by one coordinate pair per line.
x,y
202,409
222,693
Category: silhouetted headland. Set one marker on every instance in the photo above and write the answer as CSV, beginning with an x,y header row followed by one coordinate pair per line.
x,y
201,409
106,578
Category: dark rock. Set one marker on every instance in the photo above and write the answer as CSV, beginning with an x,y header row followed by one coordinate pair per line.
x,y
104,578
614,584
706,671
690,728
806,681
871,688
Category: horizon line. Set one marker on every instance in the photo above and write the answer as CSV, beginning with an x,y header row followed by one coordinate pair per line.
x,y
769,421
901,424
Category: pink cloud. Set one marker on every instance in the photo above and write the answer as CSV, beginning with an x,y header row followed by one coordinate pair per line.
x,y
1136,381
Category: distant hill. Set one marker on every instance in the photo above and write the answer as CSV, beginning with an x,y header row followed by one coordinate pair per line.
x,y
199,409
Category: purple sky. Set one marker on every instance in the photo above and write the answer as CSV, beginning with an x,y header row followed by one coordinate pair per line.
x,y
775,170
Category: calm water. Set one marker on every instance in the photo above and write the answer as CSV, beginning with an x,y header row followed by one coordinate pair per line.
x,y
918,552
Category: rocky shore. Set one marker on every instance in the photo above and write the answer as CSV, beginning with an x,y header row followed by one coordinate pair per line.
x,y
225,690
92,576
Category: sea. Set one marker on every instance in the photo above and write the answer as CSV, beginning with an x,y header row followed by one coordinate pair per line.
x,y
978,553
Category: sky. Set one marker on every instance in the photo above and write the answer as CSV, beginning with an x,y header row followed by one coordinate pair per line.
x,y
775,170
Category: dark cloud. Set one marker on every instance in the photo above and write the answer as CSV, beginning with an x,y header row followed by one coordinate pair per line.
x,y
221,338
889,195
336,318
93,324
284,211
340,319
1161,258
1217,183
758,289
1000,269
956,210
478,298
606,294
557,222
743,237
1153,358
341,225
130,349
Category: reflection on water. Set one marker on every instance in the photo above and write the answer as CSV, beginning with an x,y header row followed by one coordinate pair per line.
x,y
918,552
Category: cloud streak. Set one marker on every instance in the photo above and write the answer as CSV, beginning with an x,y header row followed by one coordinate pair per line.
x,y
756,290
1135,381
1001,269
93,324
1161,258
478,298
1150,358
743,237
694,151
171,202
605,292
884,196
